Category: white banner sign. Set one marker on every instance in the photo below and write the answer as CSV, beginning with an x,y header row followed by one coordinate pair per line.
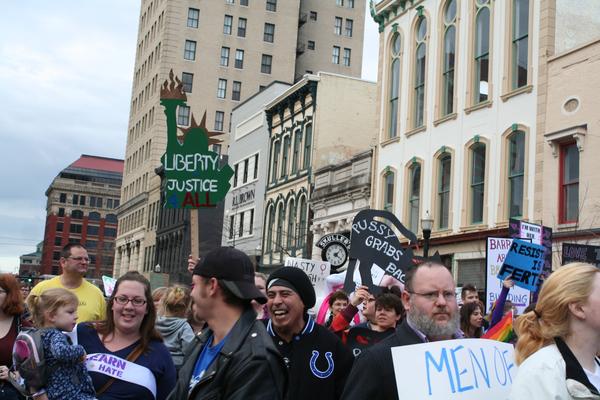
x,y
463,369
317,271
496,253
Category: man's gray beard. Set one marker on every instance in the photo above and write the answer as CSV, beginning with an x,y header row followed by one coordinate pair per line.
x,y
430,328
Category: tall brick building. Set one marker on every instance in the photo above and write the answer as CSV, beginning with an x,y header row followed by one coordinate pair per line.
x,y
81,208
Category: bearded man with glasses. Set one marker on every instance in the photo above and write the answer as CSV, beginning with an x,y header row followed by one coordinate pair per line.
x,y
74,262
431,315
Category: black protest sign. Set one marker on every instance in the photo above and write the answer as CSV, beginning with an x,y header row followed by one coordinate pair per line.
x,y
574,252
359,338
375,246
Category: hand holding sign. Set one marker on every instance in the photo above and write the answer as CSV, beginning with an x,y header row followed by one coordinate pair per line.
x,y
525,262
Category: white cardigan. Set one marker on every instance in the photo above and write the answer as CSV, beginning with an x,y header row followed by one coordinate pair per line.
x,y
542,376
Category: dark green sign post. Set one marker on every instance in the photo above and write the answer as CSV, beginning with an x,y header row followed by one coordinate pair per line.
x,y
193,178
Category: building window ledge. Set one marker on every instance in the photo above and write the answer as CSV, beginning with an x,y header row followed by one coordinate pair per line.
x,y
390,141
445,118
485,104
516,92
416,130
575,132
474,227
566,226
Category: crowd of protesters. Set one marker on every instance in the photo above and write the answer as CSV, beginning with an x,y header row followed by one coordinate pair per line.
x,y
239,334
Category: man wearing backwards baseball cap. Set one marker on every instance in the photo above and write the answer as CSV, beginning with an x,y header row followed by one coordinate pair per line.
x,y
233,358
317,361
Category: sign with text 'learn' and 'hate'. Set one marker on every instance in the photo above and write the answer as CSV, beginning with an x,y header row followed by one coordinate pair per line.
x,y
193,177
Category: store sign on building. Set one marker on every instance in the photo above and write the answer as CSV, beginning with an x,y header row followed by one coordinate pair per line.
x,y
192,177
243,198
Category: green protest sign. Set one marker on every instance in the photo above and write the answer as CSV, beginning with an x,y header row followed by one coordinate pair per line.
x,y
193,178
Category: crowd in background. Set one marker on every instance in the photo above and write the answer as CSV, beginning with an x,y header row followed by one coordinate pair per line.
x,y
241,334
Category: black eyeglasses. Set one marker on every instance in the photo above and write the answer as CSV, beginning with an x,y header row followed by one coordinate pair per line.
x,y
136,301
79,259
434,296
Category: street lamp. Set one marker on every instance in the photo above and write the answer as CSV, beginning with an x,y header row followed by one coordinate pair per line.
x,y
426,225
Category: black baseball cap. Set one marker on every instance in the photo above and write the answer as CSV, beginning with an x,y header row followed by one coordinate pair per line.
x,y
234,269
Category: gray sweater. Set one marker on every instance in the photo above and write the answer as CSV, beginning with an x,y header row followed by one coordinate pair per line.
x,y
177,335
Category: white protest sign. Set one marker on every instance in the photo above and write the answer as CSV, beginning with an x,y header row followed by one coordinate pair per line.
x,y
109,285
496,253
532,232
377,274
463,369
317,272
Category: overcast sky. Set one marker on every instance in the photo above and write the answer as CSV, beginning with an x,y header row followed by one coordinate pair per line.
x,y
65,84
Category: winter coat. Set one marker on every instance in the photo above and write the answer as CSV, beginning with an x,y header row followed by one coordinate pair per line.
x,y
178,337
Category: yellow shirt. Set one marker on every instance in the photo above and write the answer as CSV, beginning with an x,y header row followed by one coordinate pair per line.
x,y
92,306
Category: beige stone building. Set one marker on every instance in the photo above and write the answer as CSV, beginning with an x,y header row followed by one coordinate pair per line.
x,y
224,51
457,95
323,119
567,195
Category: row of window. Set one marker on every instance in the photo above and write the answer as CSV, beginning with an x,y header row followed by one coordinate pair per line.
x,y
290,225
90,229
337,26
479,64
335,57
477,165
92,216
300,151
95,201
347,3
241,224
245,170
139,185
139,156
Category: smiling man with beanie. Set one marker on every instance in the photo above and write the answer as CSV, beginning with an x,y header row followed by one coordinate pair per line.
x,y
317,361
233,358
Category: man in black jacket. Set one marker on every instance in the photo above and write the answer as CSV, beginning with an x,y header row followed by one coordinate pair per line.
x,y
432,315
233,358
317,361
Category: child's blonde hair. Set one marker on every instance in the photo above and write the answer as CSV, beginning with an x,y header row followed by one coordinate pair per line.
x,y
176,301
49,301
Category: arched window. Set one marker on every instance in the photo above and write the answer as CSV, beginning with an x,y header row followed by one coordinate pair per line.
x,y
301,239
516,173
285,156
94,216
477,182
111,218
276,151
394,88
389,181
449,57
270,224
307,146
481,54
443,190
291,234
520,43
297,150
280,224
414,196
77,214
420,69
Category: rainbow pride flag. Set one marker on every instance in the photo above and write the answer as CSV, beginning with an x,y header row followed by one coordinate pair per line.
x,y
502,331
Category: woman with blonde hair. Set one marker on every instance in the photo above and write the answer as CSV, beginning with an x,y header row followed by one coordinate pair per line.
x,y
173,325
559,338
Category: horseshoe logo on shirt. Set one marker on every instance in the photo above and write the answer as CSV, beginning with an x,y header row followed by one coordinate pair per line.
x,y
317,372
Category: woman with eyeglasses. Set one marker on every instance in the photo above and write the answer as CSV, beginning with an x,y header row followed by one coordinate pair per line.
x,y
125,354
560,337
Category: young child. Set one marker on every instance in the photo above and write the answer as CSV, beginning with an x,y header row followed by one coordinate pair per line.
x,y
173,326
53,311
